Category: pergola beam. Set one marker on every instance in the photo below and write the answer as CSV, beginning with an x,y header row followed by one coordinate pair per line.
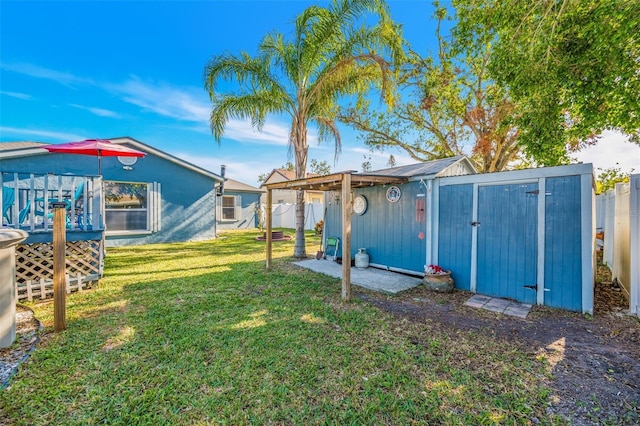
x,y
346,237
344,182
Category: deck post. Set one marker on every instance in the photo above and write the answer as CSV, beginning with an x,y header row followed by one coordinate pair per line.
x,y
59,267
268,235
346,237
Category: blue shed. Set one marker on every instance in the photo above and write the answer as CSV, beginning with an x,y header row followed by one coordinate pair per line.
x,y
527,235
495,232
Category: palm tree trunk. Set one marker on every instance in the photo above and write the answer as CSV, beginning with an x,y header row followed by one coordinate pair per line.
x,y
301,150
299,250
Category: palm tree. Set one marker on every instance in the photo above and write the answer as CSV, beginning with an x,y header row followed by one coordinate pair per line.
x,y
332,53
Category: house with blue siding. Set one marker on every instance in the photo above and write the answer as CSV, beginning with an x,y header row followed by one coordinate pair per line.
x,y
238,206
154,199
526,235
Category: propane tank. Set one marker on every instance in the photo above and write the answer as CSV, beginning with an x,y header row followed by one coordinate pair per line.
x,y
362,259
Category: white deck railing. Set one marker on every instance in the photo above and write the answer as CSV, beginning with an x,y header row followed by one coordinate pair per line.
x,y
25,201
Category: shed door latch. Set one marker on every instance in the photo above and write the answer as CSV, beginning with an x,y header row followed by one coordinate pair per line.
x,y
532,287
475,223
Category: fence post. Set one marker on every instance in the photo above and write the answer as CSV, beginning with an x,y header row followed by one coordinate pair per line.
x,y
59,267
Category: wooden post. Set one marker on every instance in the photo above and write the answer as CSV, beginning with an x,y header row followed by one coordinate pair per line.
x,y
59,267
346,237
268,235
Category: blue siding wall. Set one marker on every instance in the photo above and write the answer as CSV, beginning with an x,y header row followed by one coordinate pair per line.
x,y
188,211
454,232
249,203
563,267
389,231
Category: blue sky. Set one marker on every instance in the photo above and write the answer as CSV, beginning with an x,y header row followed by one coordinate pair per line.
x,y
84,69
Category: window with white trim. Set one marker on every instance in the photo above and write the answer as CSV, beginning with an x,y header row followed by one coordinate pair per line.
x,y
131,206
229,207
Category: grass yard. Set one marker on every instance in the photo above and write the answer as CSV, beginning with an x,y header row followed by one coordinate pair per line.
x,y
200,333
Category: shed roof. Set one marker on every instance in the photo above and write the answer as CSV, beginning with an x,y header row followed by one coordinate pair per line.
x,y
392,175
425,169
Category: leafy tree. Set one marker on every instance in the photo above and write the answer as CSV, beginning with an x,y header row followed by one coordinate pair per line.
x,y
571,64
332,52
392,161
366,164
320,167
608,178
449,106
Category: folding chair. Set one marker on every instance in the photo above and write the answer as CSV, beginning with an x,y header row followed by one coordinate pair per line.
x,y
329,243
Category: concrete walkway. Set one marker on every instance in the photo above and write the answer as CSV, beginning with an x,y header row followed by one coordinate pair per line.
x,y
369,278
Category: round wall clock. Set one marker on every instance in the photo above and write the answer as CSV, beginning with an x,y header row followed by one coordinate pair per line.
x,y
360,204
393,194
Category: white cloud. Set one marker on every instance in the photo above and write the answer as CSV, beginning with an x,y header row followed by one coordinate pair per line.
x,y
246,172
21,133
613,150
186,105
23,96
163,99
271,134
98,111
31,70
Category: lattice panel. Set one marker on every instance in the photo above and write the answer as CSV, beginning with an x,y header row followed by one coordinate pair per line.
x,y
43,289
34,262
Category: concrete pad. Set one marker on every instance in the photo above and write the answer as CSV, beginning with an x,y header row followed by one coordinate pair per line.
x,y
479,298
369,278
495,304
516,312
474,304
498,303
493,308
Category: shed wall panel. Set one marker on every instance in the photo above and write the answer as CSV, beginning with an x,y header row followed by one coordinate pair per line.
x,y
507,241
454,232
563,265
388,231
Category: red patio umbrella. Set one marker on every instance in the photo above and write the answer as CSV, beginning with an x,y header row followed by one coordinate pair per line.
x,y
97,147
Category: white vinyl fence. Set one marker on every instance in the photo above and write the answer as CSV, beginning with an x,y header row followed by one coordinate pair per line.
x,y
284,215
617,211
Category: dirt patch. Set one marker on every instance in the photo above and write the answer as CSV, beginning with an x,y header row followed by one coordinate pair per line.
x,y
595,362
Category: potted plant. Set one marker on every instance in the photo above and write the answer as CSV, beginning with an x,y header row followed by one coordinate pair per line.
x,y
437,279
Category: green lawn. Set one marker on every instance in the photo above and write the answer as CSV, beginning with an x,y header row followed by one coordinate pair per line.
x,y
200,333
